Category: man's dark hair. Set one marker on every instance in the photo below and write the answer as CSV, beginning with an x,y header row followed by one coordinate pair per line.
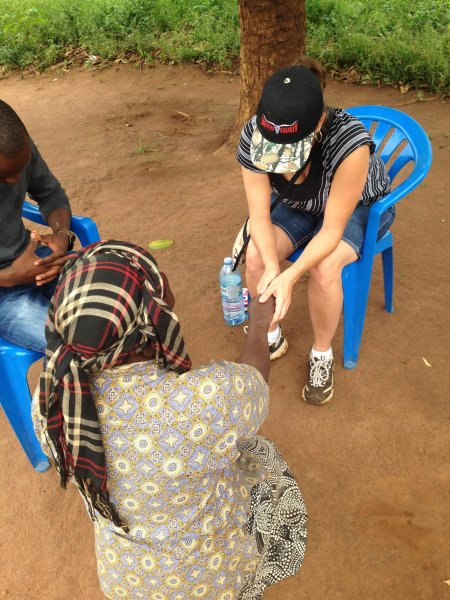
x,y
12,132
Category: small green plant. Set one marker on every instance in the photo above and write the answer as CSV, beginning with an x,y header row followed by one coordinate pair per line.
x,y
143,148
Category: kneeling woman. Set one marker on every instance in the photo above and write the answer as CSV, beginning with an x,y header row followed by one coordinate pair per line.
x,y
165,456
321,163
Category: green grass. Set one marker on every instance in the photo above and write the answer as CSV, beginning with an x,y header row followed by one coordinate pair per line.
x,y
37,32
387,40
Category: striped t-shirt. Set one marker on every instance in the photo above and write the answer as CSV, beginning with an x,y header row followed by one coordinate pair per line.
x,y
342,134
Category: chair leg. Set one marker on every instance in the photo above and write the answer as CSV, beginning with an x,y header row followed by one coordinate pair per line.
x,y
388,273
15,399
356,283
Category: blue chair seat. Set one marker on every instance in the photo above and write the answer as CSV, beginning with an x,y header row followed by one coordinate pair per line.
x,y
15,396
399,140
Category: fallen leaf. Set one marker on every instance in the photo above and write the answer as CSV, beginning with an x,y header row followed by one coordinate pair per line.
x,y
425,361
159,244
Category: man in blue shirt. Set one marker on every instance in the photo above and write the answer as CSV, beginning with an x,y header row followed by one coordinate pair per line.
x,y
27,281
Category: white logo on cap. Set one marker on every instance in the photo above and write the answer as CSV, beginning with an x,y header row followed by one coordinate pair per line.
x,y
285,128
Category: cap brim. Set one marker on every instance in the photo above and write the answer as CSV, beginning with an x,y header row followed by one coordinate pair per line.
x,y
279,158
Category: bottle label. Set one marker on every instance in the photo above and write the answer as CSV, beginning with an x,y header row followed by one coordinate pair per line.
x,y
231,291
233,304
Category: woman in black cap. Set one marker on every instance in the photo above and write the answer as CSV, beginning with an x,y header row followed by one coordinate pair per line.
x,y
321,163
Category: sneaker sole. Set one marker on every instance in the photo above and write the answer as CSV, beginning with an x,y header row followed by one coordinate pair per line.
x,y
281,350
317,403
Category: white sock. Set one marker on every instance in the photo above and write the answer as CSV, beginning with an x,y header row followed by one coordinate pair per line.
x,y
323,355
274,336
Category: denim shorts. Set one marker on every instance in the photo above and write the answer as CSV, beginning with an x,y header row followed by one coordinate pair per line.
x,y
302,226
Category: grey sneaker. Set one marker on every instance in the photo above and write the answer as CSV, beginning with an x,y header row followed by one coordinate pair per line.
x,y
278,349
319,387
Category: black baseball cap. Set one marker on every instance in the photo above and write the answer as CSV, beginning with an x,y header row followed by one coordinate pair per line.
x,y
290,107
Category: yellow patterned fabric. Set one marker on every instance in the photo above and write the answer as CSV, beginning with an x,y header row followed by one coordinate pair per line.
x,y
174,474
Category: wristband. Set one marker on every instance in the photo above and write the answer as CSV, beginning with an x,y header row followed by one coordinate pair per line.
x,y
70,235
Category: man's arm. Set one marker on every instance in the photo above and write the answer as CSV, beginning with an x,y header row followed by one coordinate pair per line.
x,y
59,241
256,347
59,218
44,188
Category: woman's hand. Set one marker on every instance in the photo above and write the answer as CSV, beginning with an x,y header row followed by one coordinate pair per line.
x,y
281,289
270,273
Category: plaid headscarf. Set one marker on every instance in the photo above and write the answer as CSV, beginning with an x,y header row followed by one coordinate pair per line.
x,y
108,306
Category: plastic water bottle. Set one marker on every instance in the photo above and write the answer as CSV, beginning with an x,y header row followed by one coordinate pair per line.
x,y
231,290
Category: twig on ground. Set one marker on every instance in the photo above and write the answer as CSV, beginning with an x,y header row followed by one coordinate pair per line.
x,y
183,116
414,101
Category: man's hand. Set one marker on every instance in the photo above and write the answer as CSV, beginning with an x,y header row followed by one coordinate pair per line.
x,y
23,269
27,268
57,242
281,290
52,271
53,263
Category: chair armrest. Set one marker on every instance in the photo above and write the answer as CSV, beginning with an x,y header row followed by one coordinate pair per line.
x,y
83,227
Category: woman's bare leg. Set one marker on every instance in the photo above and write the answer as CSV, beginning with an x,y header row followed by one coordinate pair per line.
x,y
325,294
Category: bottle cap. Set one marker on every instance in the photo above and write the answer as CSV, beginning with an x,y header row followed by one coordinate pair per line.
x,y
228,260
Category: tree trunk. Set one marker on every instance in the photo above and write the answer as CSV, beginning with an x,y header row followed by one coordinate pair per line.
x,y
272,37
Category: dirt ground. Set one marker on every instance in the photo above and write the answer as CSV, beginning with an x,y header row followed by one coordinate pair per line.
x,y
373,464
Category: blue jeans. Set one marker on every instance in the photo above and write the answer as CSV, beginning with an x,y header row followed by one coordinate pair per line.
x,y
301,226
23,312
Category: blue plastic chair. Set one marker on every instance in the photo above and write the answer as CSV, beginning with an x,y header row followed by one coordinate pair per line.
x,y
399,140
15,396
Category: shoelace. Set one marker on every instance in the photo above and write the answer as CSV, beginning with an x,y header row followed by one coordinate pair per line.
x,y
320,371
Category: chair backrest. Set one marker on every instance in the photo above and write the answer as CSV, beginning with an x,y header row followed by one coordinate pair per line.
x,y
398,137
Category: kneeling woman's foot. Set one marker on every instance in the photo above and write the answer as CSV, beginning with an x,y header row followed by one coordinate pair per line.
x,y
319,387
279,348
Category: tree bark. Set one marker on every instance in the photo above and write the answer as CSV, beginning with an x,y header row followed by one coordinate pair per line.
x,y
272,37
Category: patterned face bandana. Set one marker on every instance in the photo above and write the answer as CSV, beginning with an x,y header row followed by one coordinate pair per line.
x,y
108,306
